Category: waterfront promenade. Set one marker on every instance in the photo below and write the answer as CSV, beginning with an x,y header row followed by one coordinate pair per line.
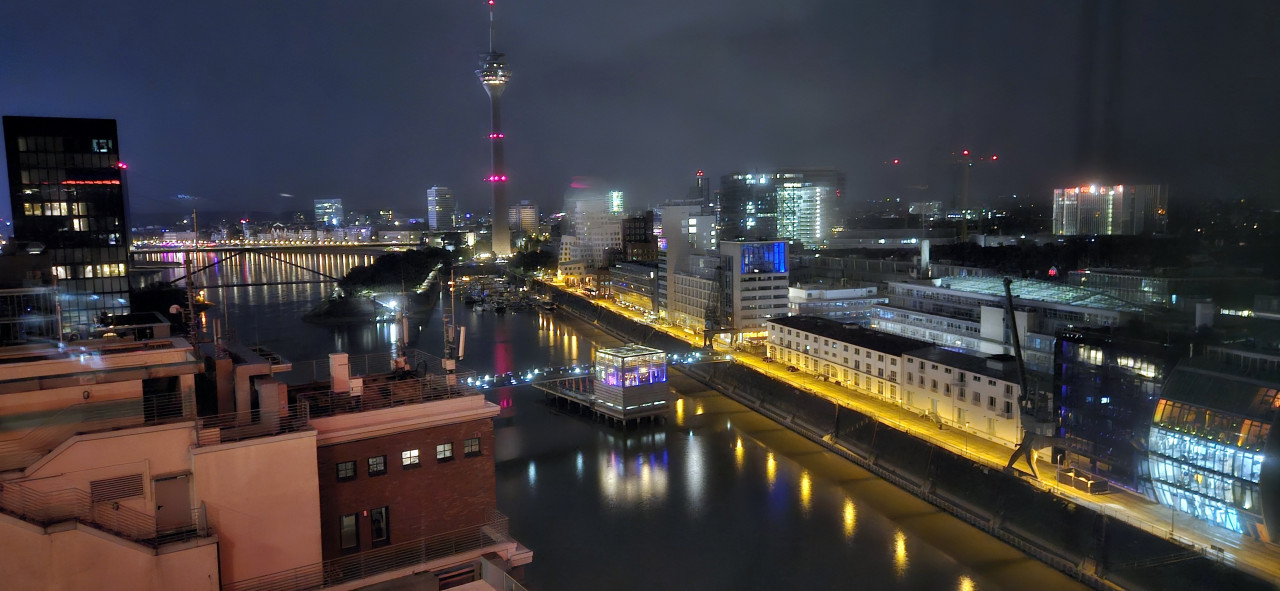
x,y
1244,553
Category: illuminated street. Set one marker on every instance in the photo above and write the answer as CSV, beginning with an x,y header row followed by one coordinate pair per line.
x,y
1241,551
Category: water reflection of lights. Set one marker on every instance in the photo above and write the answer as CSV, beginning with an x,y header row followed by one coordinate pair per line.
x,y
695,477
850,518
698,410
899,553
533,474
627,482
738,455
806,491
679,412
573,347
771,469
966,584
578,466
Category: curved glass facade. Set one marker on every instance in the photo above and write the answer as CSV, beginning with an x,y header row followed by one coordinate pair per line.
x,y
1206,461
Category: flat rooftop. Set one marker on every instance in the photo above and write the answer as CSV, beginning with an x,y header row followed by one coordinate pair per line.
x,y
851,334
1039,291
630,351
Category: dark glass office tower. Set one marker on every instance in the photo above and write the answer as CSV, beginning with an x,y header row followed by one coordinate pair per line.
x,y
67,190
1108,384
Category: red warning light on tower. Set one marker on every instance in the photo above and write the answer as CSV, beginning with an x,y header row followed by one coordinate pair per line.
x,y
994,157
122,165
895,160
699,173
964,153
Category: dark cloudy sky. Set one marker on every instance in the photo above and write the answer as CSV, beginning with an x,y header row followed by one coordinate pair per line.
x,y
375,100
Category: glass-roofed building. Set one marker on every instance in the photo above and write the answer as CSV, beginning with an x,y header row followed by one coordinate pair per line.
x,y
1209,437
967,314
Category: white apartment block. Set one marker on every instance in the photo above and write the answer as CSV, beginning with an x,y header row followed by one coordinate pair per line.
x,y
964,392
688,298
976,395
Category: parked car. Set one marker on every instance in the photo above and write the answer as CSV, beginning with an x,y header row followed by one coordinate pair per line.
x,y
792,368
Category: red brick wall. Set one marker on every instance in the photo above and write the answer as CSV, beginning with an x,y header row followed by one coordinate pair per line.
x,y
430,499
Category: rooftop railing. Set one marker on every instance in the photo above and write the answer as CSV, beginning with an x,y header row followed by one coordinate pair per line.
x,y
389,393
46,432
48,507
351,568
251,424
317,370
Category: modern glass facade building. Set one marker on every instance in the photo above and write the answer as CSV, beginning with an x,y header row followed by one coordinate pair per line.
x,y
442,209
1107,386
800,204
328,212
1210,436
67,190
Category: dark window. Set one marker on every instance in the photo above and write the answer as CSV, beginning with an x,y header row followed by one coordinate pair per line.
x,y
380,526
377,465
444,452
346,471
471,447
349,532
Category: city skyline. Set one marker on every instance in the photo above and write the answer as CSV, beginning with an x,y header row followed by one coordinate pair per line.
x,y
377,104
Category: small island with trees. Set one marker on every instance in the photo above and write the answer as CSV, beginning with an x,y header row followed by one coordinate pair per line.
x,y
397,283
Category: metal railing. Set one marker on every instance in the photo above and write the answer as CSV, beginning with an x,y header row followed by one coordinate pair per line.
x,y
48,507
88,417
250,424
317,370
380,560
389,393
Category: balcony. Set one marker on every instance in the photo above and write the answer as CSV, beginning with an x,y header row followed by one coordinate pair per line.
x,y
89,417
348,569
46,508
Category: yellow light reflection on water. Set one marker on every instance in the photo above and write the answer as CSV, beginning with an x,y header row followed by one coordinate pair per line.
x,y
771,469
850,518
899,553
679,412
738,455
806,490
698,410
966,584
573,347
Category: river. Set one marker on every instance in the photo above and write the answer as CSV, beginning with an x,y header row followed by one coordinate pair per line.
x,y
717,497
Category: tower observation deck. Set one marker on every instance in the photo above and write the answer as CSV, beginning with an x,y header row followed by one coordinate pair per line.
x,y
493,75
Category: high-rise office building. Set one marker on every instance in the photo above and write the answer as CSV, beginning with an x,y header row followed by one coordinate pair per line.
x,y
67,189
799,204
328,212
616,206
1109,210
494,75
442,210
523,216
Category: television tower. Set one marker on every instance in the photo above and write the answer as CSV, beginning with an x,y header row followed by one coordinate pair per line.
x,y
493,74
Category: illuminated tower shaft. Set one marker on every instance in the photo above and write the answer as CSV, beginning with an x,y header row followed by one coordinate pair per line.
x,y
493,74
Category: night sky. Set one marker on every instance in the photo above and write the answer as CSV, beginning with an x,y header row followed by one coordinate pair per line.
x,y
237,102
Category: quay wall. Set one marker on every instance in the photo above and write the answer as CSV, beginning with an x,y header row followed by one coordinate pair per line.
x,y
1096,549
